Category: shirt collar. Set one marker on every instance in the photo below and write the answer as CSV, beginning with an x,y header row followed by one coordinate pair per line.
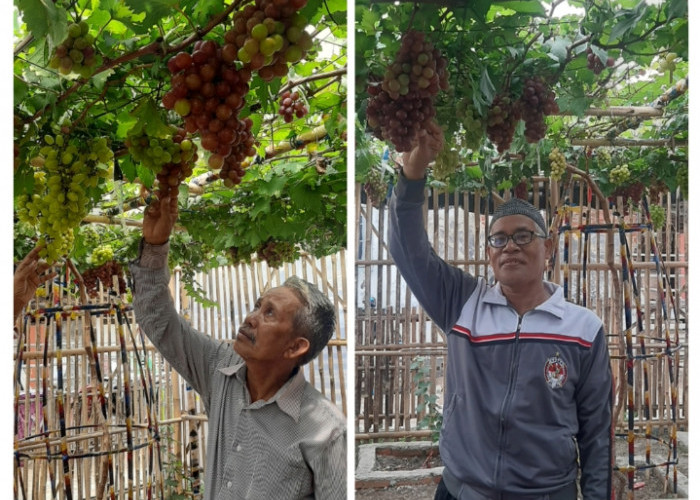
x,y
553,305
288,397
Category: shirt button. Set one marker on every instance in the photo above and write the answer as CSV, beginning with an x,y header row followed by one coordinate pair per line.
x,y
229,484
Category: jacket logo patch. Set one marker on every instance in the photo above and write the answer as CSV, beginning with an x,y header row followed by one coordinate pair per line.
x,y
555,372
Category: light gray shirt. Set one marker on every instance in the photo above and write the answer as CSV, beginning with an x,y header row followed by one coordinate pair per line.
x,y
292,446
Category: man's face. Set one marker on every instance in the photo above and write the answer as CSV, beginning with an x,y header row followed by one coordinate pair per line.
x,y
517,266
267,331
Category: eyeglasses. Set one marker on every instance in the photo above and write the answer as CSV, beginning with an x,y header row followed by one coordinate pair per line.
x,y
520,238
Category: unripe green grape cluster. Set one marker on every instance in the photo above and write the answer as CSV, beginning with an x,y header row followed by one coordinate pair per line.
x,y
472,124
268,36
446,163
604,156
101,254
153,152
557,164
620,174
668,62
76,54
682,179
174,172
658,216
376,187
66,171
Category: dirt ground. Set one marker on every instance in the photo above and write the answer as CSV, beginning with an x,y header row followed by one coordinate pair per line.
x,y
650,483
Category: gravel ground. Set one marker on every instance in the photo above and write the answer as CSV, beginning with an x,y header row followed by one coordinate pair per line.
x,y
650,483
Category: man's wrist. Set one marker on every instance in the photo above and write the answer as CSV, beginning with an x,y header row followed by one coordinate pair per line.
x,y
153,255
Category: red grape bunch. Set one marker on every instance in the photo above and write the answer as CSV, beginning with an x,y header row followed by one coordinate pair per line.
x,y
77,52
209,92
595,64
103,274
501,121
290,105
403,105
267,36
537,101
276,253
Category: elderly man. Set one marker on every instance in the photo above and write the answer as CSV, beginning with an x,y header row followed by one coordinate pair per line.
x,y
528,381
271,435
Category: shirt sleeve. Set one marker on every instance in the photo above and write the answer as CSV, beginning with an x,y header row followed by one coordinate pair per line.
x,y
594,403
330,468
192,354
440,288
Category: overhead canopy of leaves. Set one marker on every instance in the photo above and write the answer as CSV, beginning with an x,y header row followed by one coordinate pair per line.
x,y
292,195
493,46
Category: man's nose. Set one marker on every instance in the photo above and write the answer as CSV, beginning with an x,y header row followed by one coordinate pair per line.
x,y
251,318
511,245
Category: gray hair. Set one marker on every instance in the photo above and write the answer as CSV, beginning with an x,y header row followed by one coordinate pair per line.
x,y
315,320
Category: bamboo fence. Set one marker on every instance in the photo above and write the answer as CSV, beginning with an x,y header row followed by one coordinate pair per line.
x,y
392,330
99,413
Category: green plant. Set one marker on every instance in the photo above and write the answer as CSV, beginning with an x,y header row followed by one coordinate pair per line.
x,y
176,483
427,401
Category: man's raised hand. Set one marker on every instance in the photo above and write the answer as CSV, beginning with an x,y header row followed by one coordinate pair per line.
x,y
159,219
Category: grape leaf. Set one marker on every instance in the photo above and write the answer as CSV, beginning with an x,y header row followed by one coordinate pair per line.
x,y
155,10
529,7
487,88
369,21
20,90
44,18
148,114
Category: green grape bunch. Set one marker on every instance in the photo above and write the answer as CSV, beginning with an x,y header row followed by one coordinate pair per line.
x,y
682,179
154,152
66,170
658,216
604,156
620,174
446,163
557,163
101,255
472,124
77,53
376,187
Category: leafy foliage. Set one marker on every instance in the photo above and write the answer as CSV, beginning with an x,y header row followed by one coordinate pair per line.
x,y
293,194
494,47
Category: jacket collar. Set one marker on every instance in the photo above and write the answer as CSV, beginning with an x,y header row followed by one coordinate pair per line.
x,y
288,397
554,304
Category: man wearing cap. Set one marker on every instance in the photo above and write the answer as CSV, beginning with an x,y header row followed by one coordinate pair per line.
x,y
528,391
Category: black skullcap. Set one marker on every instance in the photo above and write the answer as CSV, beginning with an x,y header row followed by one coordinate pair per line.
x,y
516,206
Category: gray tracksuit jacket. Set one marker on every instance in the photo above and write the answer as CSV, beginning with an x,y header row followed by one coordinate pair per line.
x,y
526,396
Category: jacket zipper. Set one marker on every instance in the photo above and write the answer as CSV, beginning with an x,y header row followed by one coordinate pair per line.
x,y
506,402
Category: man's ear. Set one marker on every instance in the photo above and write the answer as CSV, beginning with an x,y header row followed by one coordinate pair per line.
x,y
297,348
